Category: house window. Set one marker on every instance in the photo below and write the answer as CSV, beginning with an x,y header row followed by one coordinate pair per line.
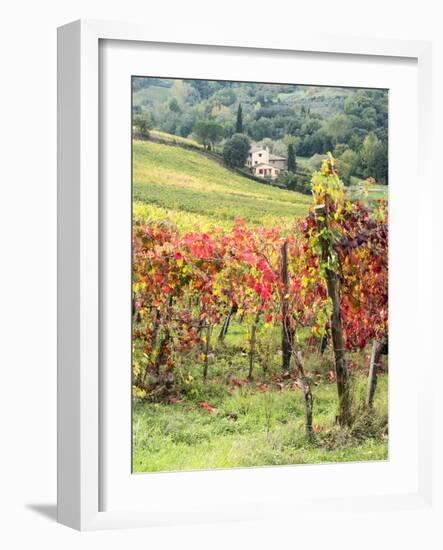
x,y
260,171
259,154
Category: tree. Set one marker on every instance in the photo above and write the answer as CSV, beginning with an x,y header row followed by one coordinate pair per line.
x,y
338,128
174,106
382,163
347,164
374,156
208,133
236,150
260,129
142,124
239,123
297,182
187,122
292,162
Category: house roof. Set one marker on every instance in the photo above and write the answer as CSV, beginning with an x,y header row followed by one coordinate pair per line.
x,y
276,157
256,149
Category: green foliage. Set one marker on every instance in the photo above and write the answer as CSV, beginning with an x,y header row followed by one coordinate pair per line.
x,y
297,181
338,128
347,163
261,128
374,157
292,163
239,121
236,149
208,133
225,96
174,106
142,124
315,119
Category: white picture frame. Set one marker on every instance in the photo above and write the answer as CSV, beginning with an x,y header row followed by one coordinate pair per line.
x,y
81,415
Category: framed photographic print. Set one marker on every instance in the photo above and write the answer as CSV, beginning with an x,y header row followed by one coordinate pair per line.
x,y
234,296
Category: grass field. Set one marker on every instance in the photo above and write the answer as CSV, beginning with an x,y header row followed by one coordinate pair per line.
x,y
175,140
252,428
186,187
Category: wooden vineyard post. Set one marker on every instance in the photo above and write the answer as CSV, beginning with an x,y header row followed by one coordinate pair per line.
x,y
307,394
378,348
324,339
162,348
153,342
332,283
287,334
288,350
224,330
207,347
252,345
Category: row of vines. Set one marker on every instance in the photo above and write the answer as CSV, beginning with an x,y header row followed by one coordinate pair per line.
x,y
324,282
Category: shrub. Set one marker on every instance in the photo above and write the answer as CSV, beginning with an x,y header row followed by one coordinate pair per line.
x,y
142,124
297,181
236,150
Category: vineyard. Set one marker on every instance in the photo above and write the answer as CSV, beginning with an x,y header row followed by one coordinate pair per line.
x,y
187,189
260,318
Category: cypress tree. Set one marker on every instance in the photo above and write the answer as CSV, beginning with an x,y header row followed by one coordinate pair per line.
x,y
239,123
292,162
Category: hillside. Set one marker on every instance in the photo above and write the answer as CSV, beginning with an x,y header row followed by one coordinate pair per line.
x,y
352,123
187,188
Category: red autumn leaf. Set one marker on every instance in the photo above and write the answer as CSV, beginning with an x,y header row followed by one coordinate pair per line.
x,y
204,405
268,276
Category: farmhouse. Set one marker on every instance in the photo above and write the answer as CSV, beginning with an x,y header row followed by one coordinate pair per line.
x,y
277,161
265,171
264,164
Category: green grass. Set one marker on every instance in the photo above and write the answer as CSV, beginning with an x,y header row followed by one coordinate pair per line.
x,y
175,140
375,192
379,192
251,428
304,162
189,188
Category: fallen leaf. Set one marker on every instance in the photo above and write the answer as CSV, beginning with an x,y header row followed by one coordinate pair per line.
x,y
206,406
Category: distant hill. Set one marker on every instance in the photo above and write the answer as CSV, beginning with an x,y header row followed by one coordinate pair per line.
x,y
324,100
